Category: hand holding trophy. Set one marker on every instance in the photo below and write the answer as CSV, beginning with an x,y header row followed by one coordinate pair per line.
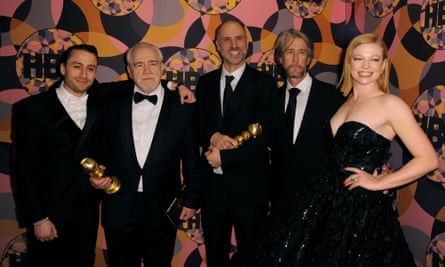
x,y
90,167
213,153
253,130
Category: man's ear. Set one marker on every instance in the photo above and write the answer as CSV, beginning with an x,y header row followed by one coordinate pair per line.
x,y
62,69
130,74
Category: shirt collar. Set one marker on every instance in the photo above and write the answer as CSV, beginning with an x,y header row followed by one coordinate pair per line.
x,y
304,85
67,96
237,73
157,91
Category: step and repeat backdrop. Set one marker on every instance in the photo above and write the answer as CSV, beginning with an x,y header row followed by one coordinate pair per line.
x,y
33,34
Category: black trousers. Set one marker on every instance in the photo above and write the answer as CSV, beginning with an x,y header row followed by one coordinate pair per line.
x,y
219,215
75,246
147,238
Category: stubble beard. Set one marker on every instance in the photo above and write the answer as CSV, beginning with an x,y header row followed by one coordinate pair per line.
x,y
235,62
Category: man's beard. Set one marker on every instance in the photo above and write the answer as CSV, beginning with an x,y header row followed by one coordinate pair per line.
x,y
232,61
295,74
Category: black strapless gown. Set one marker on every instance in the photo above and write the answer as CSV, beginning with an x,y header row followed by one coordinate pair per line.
x,y
329,225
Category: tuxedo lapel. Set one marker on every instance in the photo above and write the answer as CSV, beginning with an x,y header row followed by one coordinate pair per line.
x,y
282,105
57,113
126,129
312,108
282,97
215,88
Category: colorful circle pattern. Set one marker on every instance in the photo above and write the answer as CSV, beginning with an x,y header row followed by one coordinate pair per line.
x,y
305,9
116,8
213,7
431,23
37,58
187,65
31,44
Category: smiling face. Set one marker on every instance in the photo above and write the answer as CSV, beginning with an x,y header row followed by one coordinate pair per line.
x,y
79,72
145,68
367,64
231,42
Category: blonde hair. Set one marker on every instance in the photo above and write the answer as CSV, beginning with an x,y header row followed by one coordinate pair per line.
x,y
345,82
280,43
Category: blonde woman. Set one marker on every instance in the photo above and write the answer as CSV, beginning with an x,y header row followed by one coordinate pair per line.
x,y
345,219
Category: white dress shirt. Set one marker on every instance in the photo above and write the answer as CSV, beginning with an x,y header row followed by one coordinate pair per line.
x,y
222,84
302,99
145,117
75,106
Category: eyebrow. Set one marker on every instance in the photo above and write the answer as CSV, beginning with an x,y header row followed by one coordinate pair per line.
x,y
81,63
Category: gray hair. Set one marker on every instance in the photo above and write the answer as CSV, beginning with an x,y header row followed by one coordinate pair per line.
x,y
143,45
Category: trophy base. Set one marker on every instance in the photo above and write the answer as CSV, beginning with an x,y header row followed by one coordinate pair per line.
x,y
114,186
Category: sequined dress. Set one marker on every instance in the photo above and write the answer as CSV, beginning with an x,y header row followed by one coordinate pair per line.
x,y
329,225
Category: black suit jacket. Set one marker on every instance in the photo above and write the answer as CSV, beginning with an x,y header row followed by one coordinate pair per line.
x,y
295,164
174,140
47,149
245,168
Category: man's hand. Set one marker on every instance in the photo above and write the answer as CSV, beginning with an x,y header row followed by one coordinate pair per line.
x,y
223,142
187,213
45,231
100,183
185,94
213,157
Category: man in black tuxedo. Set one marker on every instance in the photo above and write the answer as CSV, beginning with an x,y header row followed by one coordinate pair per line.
x,y
52,132
302,138
235,189
147,134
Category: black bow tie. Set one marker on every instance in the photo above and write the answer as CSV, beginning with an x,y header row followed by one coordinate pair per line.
x,y
138,97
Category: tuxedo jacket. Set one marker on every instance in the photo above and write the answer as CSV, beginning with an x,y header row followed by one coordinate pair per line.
x,y
245,169
174,141
47,149
294,164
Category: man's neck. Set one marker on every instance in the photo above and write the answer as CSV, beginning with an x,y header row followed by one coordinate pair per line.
x,y
295,81
232,68
72,92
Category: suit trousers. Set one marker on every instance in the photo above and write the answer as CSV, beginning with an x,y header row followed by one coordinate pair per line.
x,y
151,240
74,247
220,214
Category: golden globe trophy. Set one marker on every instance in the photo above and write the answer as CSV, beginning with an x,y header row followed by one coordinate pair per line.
x,y
253,130
90,167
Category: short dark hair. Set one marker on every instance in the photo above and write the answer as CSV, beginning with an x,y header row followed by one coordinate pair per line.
x,y
84,47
